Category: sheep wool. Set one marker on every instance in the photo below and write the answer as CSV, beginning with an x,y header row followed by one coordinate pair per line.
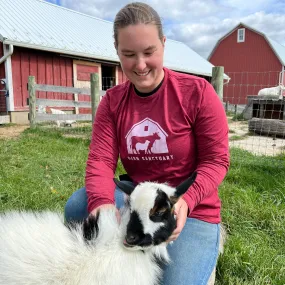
x,y
37,248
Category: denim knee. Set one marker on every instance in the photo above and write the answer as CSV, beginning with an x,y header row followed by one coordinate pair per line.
x,y
193,254
76,207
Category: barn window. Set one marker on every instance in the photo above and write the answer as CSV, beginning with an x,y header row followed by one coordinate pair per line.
x,y
241,35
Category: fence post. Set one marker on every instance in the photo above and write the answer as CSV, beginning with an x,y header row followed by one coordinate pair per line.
x,y
218,80
95,94
32,101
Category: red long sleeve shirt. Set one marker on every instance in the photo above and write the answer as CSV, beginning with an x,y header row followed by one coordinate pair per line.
x,y
164,137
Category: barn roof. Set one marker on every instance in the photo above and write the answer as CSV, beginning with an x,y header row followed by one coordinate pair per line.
x,y
41,25
277,48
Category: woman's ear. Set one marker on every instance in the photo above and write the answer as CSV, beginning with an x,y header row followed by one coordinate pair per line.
x,y
163,40
116,47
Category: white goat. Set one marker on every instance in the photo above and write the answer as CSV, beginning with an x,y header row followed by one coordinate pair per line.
x,y
37,248
272,91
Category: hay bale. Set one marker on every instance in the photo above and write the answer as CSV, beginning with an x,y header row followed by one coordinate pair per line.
x,y
267,127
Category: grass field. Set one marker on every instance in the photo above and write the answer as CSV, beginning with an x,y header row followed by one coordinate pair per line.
x,y
41,168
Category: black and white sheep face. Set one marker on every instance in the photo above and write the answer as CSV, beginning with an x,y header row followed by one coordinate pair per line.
x,y
152,218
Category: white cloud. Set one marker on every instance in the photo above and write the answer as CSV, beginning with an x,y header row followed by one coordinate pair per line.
x,y
249,6
200,24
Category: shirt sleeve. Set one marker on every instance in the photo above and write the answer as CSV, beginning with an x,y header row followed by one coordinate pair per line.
x,y
102,158
211,136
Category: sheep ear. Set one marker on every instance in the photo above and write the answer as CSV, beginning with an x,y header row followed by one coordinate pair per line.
x,y
90,227
183,187
126,188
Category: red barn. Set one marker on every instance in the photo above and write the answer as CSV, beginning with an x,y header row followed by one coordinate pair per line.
x,y
251,59
60,46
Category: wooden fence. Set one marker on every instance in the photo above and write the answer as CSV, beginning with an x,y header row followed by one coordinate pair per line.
x,y
94,92
34,102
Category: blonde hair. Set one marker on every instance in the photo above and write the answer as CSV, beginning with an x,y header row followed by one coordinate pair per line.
x,y
136,13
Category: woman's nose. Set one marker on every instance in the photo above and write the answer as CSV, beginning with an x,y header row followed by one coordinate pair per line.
x,y
140,64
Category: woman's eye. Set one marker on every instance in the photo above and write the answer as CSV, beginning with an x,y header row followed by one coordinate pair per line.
x,y
148,53
129,55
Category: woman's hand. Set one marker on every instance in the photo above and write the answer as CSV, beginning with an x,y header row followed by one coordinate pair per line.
x,y
181,212
106,206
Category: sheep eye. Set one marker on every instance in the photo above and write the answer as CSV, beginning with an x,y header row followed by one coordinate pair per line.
x,y
159,213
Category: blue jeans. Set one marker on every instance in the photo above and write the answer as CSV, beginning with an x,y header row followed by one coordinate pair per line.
x,y
194,254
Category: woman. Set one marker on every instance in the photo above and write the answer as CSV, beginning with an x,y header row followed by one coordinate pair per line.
x,y
163,125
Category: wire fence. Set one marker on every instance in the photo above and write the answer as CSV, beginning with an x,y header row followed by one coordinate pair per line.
x,y
243,84
256,118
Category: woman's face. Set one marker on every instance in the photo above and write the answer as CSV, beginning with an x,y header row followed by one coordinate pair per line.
x,y
141,54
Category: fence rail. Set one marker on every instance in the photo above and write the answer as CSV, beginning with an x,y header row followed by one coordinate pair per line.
x,y
62,103
34,102
55,117
62,89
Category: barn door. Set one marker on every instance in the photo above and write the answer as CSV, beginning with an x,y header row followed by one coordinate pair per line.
x,y
82,71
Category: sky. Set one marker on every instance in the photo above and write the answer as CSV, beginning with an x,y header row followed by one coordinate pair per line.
x,y
198,23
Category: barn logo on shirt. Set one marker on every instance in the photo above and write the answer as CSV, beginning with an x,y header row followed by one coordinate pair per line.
x,y
146,140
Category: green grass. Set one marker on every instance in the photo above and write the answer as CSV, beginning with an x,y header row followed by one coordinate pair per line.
x,y
40,169
253,196
7,125
43,167
235,116
237,137
238,117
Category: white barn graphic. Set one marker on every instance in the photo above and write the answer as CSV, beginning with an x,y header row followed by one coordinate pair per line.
x,y
146,137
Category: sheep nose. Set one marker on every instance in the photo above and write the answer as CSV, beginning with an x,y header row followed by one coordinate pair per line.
x,y
132,238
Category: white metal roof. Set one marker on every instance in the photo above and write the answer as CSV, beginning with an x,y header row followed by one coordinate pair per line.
x,y
180,57
41,25
277,48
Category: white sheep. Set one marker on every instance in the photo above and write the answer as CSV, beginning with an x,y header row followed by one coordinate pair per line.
x,y
272,91
62,114
37,248
43,110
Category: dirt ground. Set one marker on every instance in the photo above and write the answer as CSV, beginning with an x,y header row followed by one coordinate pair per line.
x,y
12,131
256,144
239,137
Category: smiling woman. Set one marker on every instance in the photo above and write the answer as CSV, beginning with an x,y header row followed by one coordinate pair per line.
x,y
163,125
139,42
141,55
